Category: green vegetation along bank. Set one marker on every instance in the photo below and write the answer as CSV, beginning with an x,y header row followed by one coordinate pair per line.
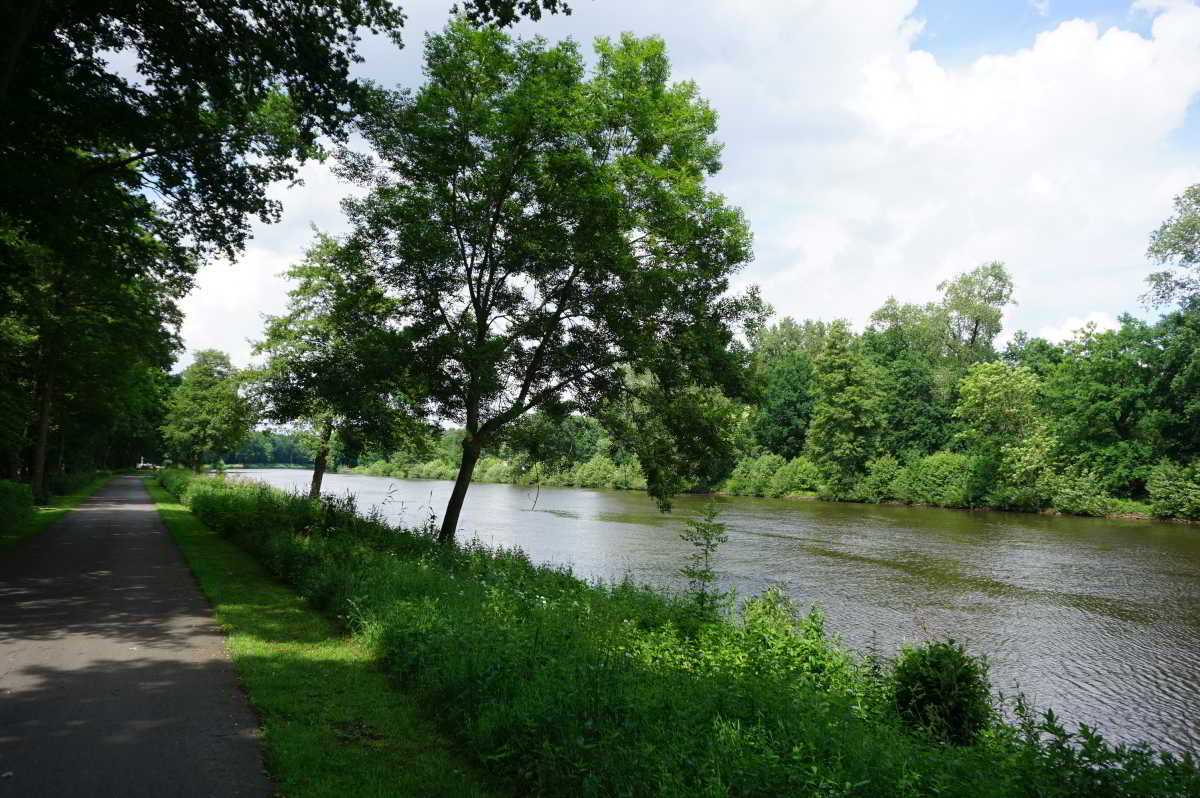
x,y
21,519
555,686
332,725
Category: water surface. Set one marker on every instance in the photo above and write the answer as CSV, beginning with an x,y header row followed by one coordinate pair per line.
x,y
1098,618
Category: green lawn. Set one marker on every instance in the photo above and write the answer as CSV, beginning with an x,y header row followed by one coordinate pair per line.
x,y
47,515
333,725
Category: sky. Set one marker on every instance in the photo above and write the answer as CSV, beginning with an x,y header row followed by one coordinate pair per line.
x,y
877,148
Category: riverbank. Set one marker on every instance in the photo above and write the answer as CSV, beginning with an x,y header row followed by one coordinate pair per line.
x,y
796,484
557,686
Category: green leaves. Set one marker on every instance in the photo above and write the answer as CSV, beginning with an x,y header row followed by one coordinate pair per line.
x,y
1177,244
543,232
847,413
206,414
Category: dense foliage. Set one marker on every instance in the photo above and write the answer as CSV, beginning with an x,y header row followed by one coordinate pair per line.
x,y
556,686
16,505
547,239
921,408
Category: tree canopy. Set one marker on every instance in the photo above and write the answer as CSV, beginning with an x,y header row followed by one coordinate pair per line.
x,y
543,231
207,413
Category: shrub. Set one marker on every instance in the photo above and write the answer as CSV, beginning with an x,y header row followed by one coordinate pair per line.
x,y
560,687
62,484
940,479
1175,490
16,505
942,690
599,472
1078,492
878,484
753,476
175,480
492,469
799,475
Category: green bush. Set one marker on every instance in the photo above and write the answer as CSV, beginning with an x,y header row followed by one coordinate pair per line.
x,y
175,480
939,479
63,484
1175,491
799,475
492,469
16,505
560,687
878,484
753,476
942,690
1079,492
598,472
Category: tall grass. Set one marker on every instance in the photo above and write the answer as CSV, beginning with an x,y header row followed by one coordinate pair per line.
x,y
561,687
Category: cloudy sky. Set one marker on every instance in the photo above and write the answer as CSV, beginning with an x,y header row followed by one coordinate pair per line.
x,y
877,148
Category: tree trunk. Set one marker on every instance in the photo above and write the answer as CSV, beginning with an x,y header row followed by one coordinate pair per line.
x,y
454,507
22,23
314,492
37,480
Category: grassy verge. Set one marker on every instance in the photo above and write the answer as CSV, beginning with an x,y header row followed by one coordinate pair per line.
x,y
554,686
45,516
333,724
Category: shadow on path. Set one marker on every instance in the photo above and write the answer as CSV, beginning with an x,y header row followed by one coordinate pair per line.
x,y
114,679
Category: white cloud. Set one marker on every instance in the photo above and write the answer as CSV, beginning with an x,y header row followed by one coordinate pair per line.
x,y
1040,7
868,167
1071,325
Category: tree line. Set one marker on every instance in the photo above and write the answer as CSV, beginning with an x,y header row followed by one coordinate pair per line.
x,y
537,262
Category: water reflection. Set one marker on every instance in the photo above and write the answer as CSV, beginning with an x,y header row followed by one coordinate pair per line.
x,y
1098,618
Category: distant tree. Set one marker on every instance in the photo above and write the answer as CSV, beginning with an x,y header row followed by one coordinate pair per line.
x,y
847,411
1173,359
916,421
908,330
1098,400
787,335
946,336
998,404
557,443
781,424
207,413
1037,354
1176,244
1003,429
543,234
974,302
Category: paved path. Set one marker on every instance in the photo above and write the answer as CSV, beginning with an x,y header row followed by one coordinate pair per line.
x,y
114,680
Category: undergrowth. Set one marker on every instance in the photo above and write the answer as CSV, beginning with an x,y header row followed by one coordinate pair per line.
x,y
561,687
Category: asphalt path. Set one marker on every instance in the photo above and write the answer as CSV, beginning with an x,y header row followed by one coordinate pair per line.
x,y
114,678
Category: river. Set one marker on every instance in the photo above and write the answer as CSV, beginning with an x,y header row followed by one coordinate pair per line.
x,y
1097,618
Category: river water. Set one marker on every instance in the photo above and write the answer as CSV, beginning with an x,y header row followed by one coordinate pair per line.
x,y
1097,618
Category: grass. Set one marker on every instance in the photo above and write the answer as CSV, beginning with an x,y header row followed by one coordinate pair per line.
x,y
554,686
46,515
333,724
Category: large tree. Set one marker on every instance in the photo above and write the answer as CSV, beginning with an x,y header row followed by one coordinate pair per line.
x,y
547,233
